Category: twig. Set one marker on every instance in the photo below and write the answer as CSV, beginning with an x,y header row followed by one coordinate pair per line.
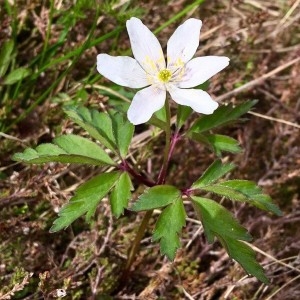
x,y
257,81
186,293
282,287
10,137
289,13
274,119
272,258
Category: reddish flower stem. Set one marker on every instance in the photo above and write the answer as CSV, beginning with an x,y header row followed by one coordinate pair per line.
x,y
124,166
169,148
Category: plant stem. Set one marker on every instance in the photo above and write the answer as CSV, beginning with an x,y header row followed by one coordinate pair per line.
x,y
163,171
174,139
160,180
139,177
136,245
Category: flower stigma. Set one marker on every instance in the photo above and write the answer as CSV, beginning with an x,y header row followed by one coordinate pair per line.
x,y
165,75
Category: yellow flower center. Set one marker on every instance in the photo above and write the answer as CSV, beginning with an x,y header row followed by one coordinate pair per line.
x,y
165,75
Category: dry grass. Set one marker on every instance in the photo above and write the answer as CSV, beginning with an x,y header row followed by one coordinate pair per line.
x,y
262,38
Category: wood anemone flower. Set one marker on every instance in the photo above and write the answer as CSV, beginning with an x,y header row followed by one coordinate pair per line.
x,y
149,70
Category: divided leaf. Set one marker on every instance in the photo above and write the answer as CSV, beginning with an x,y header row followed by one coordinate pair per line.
x,y
78,145
123,132
245,256
97,124
113,131
222,115
168,226
85,201
245,191
121,194
218,222
214,172
156,197
217,142
66,149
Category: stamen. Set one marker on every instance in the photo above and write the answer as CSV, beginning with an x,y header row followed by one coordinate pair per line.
x,y
165,75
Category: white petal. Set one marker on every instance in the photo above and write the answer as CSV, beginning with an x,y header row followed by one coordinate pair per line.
x,y
198,100
123,70
200,69
184,42
145,46
145,103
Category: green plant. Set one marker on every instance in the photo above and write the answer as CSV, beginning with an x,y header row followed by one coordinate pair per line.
x,y
113,135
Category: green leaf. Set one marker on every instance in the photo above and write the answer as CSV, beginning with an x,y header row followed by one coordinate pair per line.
x,y
161,114
183,112
157,196
216,219
245,191
75,144
158,119
245,256
16,75
66,149
85,201
48,149
97,124
157,122
168,226
222,115
217,142
214,172
123,132
218,222
203,86
121,194
103,124
6,56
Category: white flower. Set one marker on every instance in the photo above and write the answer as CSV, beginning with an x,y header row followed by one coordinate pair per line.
x,y
149,70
